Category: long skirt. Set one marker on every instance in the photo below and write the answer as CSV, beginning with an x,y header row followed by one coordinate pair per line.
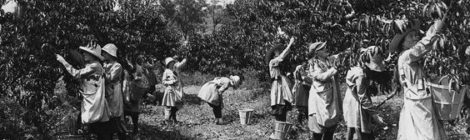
x,y
172,97
281,91
355,116
210,94
418,121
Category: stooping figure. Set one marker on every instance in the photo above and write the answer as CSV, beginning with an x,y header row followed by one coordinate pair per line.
x,y
113,80
324,107
362,81
173,94
212,91
418,119
94,108
300,91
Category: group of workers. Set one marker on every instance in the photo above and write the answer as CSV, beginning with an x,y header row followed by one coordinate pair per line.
x,y
315,91
316,88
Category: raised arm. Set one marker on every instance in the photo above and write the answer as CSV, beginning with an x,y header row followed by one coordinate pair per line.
x,y
297,73
287,49
181,64
425,44
77,73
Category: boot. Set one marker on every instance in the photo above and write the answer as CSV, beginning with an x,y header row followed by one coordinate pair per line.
x,y
173,116
167,120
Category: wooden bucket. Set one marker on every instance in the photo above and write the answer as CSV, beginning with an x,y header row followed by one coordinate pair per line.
x,y
245,116
281,130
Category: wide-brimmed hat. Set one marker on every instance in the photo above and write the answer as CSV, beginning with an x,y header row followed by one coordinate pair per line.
x,y
111,49
367,56
168,60
95,50
313,47
405,27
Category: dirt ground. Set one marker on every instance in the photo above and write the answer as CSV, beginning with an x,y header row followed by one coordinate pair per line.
x,y
196,119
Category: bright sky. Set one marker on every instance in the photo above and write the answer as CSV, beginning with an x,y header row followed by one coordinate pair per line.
x,y
221,2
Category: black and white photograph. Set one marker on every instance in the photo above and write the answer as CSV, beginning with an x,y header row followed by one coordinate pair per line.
x,y
234,69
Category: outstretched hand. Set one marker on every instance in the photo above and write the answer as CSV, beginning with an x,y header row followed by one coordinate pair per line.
x,y
60,58
291,41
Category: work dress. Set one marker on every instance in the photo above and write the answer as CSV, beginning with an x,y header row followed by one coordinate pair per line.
x,y
94,106
324,99
173,93
114,89
357,101
173,89
418,119
211,92
281,85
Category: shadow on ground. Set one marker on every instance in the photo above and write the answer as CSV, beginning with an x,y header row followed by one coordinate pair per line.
x,y
192,99
151,132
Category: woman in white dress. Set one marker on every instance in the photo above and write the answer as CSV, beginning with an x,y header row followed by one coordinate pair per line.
x,y
418,119
324,108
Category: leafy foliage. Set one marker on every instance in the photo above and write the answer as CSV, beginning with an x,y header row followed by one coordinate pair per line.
x,y
28,65
162,28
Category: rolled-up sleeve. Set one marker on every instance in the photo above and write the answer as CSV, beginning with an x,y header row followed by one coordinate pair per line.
x,y
420,49
181,64
78,73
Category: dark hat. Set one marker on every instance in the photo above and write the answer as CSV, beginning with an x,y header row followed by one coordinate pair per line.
x,y
405,28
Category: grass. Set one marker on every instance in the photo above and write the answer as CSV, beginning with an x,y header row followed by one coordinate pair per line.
x,y
196,117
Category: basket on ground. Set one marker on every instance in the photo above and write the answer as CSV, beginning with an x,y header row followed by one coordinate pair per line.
x,y
281,130
245,116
